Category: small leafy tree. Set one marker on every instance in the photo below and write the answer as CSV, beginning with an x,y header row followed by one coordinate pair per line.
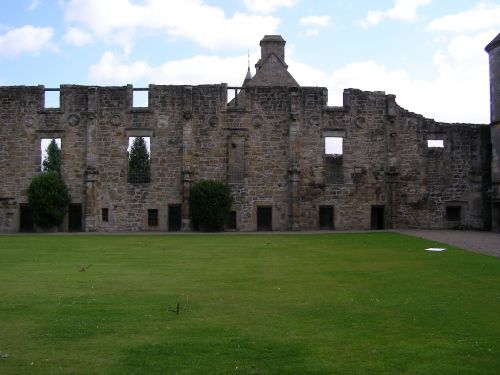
x,y
138,161
210,204
53,160
48,198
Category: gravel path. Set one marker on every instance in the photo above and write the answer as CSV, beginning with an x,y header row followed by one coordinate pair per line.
x,y
482,242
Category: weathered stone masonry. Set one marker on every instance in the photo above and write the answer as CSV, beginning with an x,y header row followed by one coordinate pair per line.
x,y
268,144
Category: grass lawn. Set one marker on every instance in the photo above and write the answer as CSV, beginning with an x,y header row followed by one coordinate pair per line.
x,y
373,303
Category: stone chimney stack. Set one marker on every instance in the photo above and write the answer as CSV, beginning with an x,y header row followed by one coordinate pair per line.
x,y
271,44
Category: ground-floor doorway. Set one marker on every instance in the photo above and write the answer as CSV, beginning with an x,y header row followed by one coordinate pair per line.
x,y
75,217
264,218
25,218
174,217
377,217
326,218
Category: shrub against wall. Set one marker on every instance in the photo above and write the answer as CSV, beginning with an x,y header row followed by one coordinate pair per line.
x,y
210,204
48,198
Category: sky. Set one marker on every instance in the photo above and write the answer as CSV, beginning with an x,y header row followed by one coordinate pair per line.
x,y
429,53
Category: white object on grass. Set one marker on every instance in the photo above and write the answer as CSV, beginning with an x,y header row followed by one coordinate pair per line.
x,y
435,249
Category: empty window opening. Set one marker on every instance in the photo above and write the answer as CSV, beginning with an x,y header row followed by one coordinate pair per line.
x,y
50,154
105,215
326,218
52,98
139,160
153,218
140,98
377,217
233,96
334,146
75,217
174,217
26,218
231,221
453,213
435,143
265,218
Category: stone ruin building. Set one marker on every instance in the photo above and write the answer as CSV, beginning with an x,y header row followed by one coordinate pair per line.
x,y
293,163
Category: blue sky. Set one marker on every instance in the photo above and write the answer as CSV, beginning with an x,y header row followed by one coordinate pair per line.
x,y
429,53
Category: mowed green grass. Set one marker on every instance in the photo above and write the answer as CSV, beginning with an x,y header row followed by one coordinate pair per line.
x,y
373,303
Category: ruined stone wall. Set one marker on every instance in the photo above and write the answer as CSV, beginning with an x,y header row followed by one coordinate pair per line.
x,y
24,122
387,163
270,148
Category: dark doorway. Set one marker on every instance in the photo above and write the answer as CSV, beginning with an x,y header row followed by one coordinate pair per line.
x,y
75,217
25,218
265,218
174,217
377,217
325,217
231,221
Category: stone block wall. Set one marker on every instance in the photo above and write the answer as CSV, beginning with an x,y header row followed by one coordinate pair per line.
x,y
270,148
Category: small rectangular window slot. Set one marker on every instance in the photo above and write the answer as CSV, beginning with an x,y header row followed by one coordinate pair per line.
x,y
435,143
140,98
453,213
52,98
153,218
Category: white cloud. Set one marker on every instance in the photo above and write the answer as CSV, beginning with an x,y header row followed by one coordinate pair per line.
x,y
111,69
315,23
268,6
482,17
321,21
27,39
404,10
122,22
34,4
78,37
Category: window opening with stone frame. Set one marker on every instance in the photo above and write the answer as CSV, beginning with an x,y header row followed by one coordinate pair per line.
x,y
140,98
334,159
435,143
52,98
50,154
139,160
153,218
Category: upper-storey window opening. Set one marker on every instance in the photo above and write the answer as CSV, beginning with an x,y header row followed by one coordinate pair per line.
x,y
139,160
435,143
50,154
52,98
234,99
333,146
140,98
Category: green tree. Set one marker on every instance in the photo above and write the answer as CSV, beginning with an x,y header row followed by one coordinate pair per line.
x,y
53,160
210,204
138,161
48,198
